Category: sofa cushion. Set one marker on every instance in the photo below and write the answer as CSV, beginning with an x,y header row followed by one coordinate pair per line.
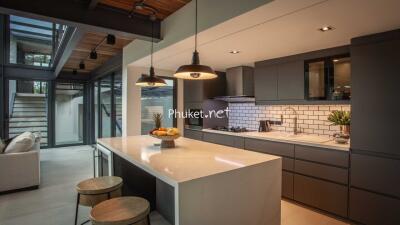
x,y
21,143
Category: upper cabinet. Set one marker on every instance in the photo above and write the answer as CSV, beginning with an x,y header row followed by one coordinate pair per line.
x,y
310,78
283,81
328,78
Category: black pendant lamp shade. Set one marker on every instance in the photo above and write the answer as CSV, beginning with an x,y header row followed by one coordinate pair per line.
x,y
195,71
151,80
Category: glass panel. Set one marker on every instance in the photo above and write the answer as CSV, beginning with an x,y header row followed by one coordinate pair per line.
x,y
157,100
27,108
69,113
118,104
316,80
342,72
105,106
96,110
31,41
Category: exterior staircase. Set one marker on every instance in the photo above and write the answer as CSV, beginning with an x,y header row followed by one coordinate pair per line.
x,y
29,113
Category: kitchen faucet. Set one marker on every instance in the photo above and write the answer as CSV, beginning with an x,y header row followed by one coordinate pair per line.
x,y
294,119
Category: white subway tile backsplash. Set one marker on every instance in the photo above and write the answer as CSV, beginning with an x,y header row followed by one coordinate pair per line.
x,y
311,119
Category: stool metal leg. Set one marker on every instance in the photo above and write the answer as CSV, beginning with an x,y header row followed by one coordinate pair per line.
x,y
77,208
148,219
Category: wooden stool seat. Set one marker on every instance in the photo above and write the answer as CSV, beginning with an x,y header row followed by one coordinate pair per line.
x,y
120,211
99,185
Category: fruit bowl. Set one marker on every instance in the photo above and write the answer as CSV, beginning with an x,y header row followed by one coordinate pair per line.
x,y
167,141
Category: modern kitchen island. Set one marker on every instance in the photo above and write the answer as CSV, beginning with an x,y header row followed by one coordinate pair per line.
x,y
199,183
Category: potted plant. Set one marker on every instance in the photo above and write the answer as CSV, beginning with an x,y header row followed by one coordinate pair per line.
x,y
342,119
157,118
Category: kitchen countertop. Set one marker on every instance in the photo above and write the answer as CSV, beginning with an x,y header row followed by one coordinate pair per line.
x,y
189,160
300,139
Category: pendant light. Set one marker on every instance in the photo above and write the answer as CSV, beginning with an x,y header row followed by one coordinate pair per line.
x,y
151,80
195,71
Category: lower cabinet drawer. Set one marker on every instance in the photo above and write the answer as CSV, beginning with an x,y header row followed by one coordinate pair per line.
x,y
321,194
193,134
270,147
331,173
221,139
370,208
323,155
287,185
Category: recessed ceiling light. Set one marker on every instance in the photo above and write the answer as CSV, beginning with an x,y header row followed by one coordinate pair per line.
x,y
336,60
234,52
326,28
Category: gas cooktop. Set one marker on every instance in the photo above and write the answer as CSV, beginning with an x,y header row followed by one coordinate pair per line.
x,y
232,129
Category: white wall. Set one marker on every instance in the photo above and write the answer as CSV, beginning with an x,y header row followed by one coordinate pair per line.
x,y
131,99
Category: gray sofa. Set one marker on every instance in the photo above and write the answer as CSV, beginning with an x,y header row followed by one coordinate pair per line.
x,y
20,170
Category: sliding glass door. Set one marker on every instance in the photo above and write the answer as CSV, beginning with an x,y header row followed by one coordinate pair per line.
x,y
69,113
108,106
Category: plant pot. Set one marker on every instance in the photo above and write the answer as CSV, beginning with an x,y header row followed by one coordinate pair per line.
x,y
345,129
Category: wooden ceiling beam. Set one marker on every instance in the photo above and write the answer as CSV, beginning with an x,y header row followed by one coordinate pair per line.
x,y
75,14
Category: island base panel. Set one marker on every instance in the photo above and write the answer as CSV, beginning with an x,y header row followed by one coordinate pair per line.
x,y
250,195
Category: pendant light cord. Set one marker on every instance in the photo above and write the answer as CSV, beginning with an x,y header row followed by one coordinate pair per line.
x,y
152,43
195,35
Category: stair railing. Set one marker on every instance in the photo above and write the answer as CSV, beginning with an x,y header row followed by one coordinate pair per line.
x,y
11,104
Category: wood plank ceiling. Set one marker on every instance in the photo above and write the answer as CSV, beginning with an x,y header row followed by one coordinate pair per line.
x,y
104,52
164,7
91,40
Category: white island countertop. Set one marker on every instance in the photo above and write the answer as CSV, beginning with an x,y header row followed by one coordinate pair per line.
x,y
190,159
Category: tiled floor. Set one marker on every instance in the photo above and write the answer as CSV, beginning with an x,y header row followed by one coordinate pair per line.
x,y
53,203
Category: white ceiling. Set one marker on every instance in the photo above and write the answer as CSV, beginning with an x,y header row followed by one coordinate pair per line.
x,y
282,28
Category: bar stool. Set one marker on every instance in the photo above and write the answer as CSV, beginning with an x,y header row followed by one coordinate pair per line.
x,y
92,191
121,211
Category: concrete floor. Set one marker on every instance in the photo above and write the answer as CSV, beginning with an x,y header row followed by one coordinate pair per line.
x,y
54,202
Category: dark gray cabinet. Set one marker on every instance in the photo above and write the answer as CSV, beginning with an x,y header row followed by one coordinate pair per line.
x,y
193,134
325,172
375,189
266,83
282,81
321,194
375,93
323,155
376,174
286,151
222,139
270,147
291,81
372,209
287,184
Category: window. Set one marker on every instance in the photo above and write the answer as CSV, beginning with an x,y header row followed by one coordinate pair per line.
x,y
158,100
34,42
118,104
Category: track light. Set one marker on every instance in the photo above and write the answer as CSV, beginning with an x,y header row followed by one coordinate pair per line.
x,y
93,55
110,39
82,65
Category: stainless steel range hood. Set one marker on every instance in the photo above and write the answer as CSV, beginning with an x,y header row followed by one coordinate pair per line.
x,y
239,85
